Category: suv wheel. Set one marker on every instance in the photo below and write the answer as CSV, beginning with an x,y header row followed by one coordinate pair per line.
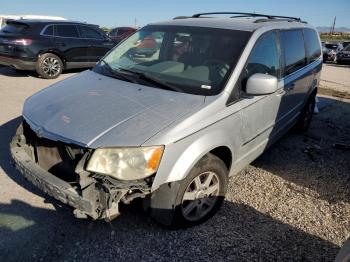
x,y
306,115
49,66
196,198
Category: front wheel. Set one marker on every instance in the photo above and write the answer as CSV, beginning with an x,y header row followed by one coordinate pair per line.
x,y
49,66
196,198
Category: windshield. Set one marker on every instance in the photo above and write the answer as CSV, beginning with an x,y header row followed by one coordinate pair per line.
x,y
185,59
347,48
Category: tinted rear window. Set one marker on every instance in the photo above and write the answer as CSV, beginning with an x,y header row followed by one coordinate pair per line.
x,y
293,47
14,28
67,31
312,44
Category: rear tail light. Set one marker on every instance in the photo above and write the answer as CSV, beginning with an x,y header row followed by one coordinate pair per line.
x,y
22,41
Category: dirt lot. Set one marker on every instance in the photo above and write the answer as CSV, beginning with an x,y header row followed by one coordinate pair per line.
x,y
293,203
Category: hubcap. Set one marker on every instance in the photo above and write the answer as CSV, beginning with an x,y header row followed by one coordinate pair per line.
x,y
51,66
200,196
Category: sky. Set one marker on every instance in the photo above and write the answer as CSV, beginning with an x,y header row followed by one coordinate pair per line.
x,y
111,13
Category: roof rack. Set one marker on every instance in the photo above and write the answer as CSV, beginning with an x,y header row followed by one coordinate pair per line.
x,y
240,14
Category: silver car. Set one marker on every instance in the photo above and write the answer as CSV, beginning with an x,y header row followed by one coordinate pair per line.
x,y
171,127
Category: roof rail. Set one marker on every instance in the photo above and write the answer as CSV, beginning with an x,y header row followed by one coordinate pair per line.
x,y
181,17
240,14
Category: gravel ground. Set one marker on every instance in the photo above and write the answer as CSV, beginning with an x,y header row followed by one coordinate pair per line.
x,y
335,80
293,203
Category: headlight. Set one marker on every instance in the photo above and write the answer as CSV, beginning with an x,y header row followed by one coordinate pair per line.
x,y
126,163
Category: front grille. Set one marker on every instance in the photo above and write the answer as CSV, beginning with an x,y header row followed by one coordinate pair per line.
x,y
56,157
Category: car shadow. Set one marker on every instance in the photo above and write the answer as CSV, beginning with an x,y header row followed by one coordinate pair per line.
x,y
311,160
11,72
237,233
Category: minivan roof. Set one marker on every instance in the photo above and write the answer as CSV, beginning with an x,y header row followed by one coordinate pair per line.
x,y
243,24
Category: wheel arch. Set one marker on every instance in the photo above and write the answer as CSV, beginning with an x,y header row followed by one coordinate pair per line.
x,y
55,52
214,143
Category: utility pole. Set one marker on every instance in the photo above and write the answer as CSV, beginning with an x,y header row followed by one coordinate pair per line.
x,y
333,26
135,23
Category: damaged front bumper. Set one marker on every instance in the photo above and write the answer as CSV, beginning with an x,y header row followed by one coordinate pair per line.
x,y
96,196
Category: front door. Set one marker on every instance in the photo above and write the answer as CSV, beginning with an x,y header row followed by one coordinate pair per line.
x,y
98,44
259,114
71,45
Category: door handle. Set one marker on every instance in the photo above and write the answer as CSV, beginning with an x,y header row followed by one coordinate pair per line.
x,y
62,44
290,87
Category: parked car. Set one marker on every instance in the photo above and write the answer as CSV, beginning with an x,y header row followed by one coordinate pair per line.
x,y
344,55
119,33
346,43
171,129
331,50
5,18
51,46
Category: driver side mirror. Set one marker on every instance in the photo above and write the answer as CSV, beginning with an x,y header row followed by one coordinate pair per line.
x,y
261,84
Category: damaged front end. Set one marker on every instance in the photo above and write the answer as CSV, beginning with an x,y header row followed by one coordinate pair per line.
x,y
59,169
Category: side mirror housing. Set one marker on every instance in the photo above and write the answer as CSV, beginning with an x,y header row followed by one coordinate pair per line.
x,y
261,84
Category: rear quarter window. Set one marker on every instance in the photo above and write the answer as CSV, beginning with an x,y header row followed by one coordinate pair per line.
x,y
48,31
292,42
312,44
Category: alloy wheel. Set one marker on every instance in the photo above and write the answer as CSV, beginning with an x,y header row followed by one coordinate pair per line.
x,y
200,196
51,66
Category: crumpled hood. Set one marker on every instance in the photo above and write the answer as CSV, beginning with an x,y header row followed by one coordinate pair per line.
x,y
93,110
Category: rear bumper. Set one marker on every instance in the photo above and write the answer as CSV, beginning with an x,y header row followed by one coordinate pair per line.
x,y
18,63
50,184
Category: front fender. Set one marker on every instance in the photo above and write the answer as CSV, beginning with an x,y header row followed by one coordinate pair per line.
x,y
180,157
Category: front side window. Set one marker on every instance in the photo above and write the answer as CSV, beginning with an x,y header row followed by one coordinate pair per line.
x,y
264,58
67,31
90,33
187,59
292,42
312,44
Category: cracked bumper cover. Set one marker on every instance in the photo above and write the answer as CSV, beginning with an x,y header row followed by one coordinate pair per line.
x,y
50,184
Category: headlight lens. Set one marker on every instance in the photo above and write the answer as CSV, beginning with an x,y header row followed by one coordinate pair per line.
x,y
126,163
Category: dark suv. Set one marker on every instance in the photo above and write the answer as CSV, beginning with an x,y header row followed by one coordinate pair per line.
x,y
51,46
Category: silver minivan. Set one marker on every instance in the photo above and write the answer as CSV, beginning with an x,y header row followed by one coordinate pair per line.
x,y
170,114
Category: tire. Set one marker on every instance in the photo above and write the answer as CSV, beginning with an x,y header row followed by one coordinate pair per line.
x,y
191,201
305,117
49,66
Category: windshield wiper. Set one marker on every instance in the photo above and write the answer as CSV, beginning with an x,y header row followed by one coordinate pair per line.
x,y
116,73
151,79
